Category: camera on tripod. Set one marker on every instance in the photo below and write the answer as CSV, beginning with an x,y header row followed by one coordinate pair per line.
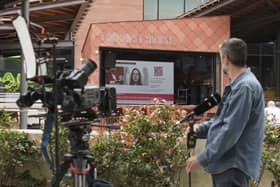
x,y
64,92
70,92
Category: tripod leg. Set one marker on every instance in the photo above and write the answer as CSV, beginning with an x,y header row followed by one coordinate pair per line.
x,y
91,175
190,174
63,168
190,179
191,142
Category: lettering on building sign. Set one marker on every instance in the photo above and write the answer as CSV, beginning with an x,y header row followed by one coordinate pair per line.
x,y
151,39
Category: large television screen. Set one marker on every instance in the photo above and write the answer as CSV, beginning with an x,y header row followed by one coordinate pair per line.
x,y
139,82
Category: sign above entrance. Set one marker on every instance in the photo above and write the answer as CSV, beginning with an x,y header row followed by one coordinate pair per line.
x,y
138,38
190,34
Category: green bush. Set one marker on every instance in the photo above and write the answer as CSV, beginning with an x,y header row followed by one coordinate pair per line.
x,y
271,150
17,152
6,120
147,151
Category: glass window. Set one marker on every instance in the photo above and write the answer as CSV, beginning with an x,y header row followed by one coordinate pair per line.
x,y
194,74
267,48
165,9
10,60
150,9
10,64
170,9
190,4
267,68
254,49
262,64
198,77
9,69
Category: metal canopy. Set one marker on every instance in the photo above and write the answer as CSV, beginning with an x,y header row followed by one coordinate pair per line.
x,y
255,21
55,16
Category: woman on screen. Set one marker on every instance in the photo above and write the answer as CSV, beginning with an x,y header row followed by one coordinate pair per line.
x,y
135,77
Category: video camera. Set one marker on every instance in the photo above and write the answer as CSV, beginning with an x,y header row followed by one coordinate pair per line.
x,y
72,95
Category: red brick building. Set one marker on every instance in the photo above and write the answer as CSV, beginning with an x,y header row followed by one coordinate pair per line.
x,y
146,41
125,35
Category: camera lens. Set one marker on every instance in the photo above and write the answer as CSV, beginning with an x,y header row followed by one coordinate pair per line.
x,y
88,67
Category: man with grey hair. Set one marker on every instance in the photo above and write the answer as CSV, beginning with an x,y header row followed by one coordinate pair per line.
x,y
235,134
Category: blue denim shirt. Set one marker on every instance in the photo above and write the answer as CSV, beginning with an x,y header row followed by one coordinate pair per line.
x,y
235,133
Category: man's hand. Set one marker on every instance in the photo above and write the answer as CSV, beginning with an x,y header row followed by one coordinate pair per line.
x,y
195,129
191,164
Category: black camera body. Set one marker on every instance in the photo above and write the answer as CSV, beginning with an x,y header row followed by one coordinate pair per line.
x,y
71,94
81,101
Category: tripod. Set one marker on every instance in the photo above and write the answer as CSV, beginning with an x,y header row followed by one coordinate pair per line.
x,y
79,162
191,142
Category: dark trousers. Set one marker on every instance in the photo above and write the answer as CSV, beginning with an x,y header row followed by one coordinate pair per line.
x,y
230,178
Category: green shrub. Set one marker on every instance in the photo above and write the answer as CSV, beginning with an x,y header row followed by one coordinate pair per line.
x,y
147,151
271,150
6,120
17,152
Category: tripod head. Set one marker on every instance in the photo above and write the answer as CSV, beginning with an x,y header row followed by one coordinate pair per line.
x,y
80,132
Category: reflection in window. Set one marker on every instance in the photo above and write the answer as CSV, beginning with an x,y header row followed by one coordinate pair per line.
x,y
261,61
190,4
194,77
170,9
10,60
150,9
165,9
9,69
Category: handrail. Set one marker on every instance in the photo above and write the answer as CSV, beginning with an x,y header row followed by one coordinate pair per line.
x,y
8,102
